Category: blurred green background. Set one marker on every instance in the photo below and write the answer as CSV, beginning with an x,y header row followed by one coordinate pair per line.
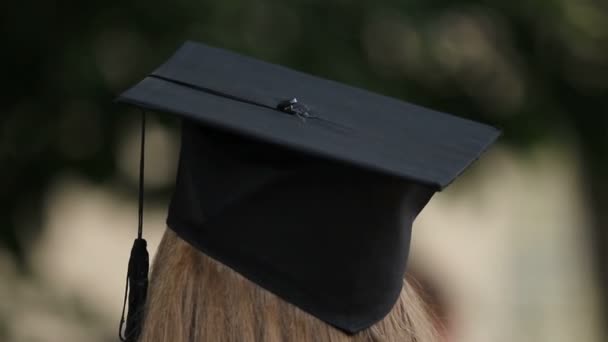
x,y
538,70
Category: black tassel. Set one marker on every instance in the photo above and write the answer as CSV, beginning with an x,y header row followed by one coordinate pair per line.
x,y
137,284
137,274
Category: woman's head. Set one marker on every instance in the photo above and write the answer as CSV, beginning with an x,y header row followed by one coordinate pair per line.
x,y
315,206
194,298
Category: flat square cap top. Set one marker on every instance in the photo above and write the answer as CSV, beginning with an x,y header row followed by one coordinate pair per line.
x,y
324,118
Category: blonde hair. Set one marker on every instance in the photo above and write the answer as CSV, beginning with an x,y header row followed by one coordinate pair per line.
x,y
194,298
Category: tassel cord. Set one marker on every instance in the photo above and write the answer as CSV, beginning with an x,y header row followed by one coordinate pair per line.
x,y
140,222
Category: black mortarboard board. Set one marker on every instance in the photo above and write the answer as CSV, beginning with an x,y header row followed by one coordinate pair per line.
x,y
305,186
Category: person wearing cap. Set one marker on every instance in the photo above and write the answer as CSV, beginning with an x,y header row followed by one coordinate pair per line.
x,y
293,206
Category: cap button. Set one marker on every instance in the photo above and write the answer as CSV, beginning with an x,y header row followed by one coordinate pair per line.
x,y
294,107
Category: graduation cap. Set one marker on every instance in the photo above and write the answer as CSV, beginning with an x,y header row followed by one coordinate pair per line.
x,y
305,186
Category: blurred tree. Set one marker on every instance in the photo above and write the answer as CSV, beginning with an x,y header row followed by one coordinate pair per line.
x,y
537,69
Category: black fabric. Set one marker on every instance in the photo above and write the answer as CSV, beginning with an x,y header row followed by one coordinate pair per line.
x,y
328,238
238,93
303,185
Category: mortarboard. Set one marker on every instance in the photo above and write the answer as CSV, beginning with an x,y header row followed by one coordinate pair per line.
x,y
303,185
